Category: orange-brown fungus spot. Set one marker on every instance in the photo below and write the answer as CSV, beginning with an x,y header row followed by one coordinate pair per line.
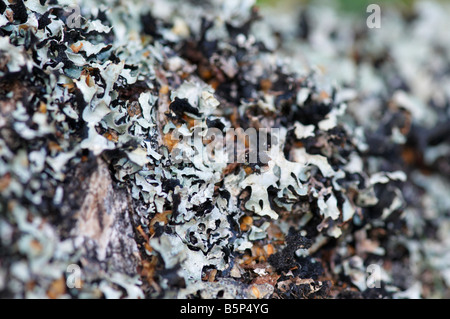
x,y
169,141
69,86
269,249
189,120
35,245
409,155
248,170
159,217
324,95
141,232
111,136
246,223
214,84
204,72
53,146
57,288
76,48
164,89
42,107
212,275
5,180
265,84
255,292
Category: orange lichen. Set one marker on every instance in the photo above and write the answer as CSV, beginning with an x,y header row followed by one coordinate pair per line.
x,y
111,136
42,107
5,180
57,288
35,245
256,292
54,147
70,86
142,233
76,48
269,249
169,141
324,95
246,223
210,275
158,218
189,121
248,170
164,89
265,85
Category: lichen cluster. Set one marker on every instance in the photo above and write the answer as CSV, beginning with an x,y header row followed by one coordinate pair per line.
x,y
92,175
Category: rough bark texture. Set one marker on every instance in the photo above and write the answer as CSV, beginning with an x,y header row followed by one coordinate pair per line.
x,y
102,224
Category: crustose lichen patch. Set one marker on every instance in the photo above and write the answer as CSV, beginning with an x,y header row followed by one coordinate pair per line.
x,y
169,150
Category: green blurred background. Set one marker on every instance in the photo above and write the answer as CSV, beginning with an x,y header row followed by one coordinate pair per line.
x,y
350,6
